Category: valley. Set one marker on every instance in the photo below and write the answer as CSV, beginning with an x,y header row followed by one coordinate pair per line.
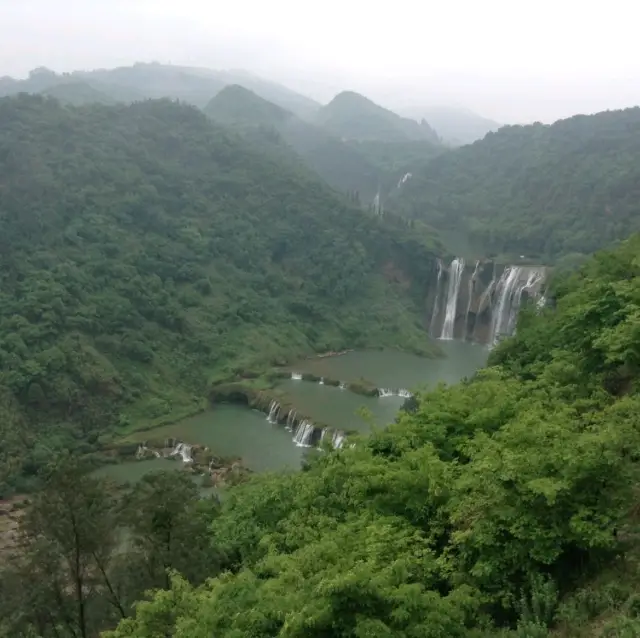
x,y
271,367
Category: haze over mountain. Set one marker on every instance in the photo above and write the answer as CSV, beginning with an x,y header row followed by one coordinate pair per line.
x,y
456,126
482,61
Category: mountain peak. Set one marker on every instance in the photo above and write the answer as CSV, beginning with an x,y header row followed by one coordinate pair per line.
x,y
354,116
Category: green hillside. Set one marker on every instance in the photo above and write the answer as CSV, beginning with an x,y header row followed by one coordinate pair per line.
x,y
503,507
78,93
341,166
144,251
354,117
540,190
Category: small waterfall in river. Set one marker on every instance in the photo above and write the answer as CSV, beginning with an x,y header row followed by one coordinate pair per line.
x,y
291,420
183,450
296,376
303,434
453,289
337,439
386,392
274,412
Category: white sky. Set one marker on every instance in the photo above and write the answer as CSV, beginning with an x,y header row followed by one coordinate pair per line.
x,y
507,59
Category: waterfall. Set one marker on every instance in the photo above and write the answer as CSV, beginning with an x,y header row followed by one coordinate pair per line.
x,y
321,382
291,420
303,434
453,289
404,178
386,392
296,376
436,303
182,450
342,386
274,411
337,439
472,282
509,290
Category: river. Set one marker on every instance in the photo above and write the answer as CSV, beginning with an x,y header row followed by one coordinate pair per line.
x,y
231,430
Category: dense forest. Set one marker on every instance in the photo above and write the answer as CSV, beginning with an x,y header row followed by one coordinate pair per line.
x,y
339,164
145,251
505,506
541,190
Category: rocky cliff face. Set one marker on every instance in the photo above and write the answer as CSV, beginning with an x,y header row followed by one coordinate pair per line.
x,y
479,301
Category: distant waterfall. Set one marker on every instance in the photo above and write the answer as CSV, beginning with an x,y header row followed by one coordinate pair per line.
x,y
296,376
453,289
436,304
303,434
514,281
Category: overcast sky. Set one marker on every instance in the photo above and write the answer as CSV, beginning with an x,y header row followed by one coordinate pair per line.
x,y
507,59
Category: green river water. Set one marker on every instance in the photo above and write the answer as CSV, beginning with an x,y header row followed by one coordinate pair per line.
x,y
231,430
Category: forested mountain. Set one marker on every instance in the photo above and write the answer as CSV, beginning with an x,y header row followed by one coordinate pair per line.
x,y
152,80
78,94
341,166
541,190
456,126
144,250
503,507
354,117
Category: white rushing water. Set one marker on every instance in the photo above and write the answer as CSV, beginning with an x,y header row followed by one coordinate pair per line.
x,y
274,412
296,376
387,392
436,304
337,440
515,280
291,419
303,434
183,450
470,294
453,289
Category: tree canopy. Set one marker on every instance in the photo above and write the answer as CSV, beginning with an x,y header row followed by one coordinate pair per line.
x,y
539,190
144,250
503,506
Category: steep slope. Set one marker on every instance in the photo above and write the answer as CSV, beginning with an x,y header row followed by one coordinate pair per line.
x,y
143,250
354,117
539,190
502,507
456,126
341,166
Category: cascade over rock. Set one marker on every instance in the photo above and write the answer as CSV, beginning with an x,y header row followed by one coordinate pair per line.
x,y
480,301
